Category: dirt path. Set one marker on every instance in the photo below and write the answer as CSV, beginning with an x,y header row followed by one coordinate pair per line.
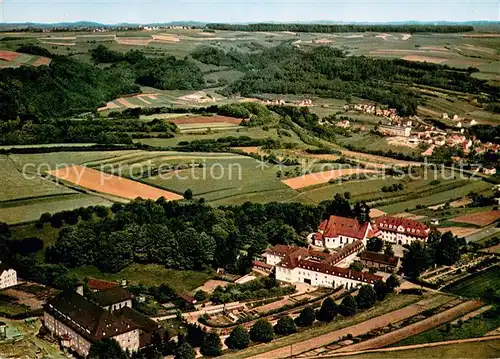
x,y
355,330
408,347
412,329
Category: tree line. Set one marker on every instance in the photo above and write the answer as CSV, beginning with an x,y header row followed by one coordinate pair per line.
x,y
322,28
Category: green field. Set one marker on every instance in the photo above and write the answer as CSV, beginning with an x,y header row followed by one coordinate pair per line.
x,y
484,349
31,209
221,178
474,286
16,185
441,197
253,132
148,275
471,328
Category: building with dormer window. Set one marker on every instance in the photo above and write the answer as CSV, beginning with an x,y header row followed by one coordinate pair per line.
x,y
400,230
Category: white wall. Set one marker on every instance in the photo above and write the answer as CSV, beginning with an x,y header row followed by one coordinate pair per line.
x,y
299,275
58,329
8,278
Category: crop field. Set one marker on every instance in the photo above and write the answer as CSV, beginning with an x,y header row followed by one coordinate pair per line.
x,y
30,209
479,219
16,59
484,349
455,193
222,178
206,123
110,184
475,285
16,185
42,162
253,132
325,176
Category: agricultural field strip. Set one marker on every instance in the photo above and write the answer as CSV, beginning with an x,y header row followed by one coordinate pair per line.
x,y
324,335
116,186
415,328
475,284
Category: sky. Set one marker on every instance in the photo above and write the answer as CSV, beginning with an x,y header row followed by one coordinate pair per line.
x,y
150,11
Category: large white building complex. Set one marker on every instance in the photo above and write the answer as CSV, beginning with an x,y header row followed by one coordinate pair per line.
x,y
317,268
344,240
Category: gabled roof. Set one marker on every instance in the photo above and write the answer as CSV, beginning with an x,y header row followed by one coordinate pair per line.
x,y
3,268
379,258
336,226
111,296
86,318
99,284
410,226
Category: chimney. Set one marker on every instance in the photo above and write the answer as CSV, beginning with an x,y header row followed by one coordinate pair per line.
x,y
124,283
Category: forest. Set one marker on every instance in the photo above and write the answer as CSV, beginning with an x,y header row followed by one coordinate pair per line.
x,y
165,73
329,72
177,235
321,28
31,130
67,87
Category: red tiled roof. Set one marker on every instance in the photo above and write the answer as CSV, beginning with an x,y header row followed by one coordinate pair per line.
x,y
262,265
99,284
342,226
410,227
379,258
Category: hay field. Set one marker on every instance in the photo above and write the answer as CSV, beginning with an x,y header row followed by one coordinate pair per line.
x,y
16,185
109,184
325,176
226,178
30,209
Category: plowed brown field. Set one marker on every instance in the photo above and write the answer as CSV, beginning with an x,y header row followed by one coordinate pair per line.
x,y
105,183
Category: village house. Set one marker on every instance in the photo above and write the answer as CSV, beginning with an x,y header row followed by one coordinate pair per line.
x,y
400,230
390,130
8,276
79,322
317,268
379,261
337,231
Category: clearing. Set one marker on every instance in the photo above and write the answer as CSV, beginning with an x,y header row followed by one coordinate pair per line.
x,y
148,275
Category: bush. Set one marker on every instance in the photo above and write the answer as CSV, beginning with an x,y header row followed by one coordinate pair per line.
x,y
211,345
262,331
366,297
285,326
328,310
348,307
238,339
306,317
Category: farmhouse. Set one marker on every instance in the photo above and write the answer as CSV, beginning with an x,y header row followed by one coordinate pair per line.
x,y
8,276
379,261
337,231
80,322
401,230
305,265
